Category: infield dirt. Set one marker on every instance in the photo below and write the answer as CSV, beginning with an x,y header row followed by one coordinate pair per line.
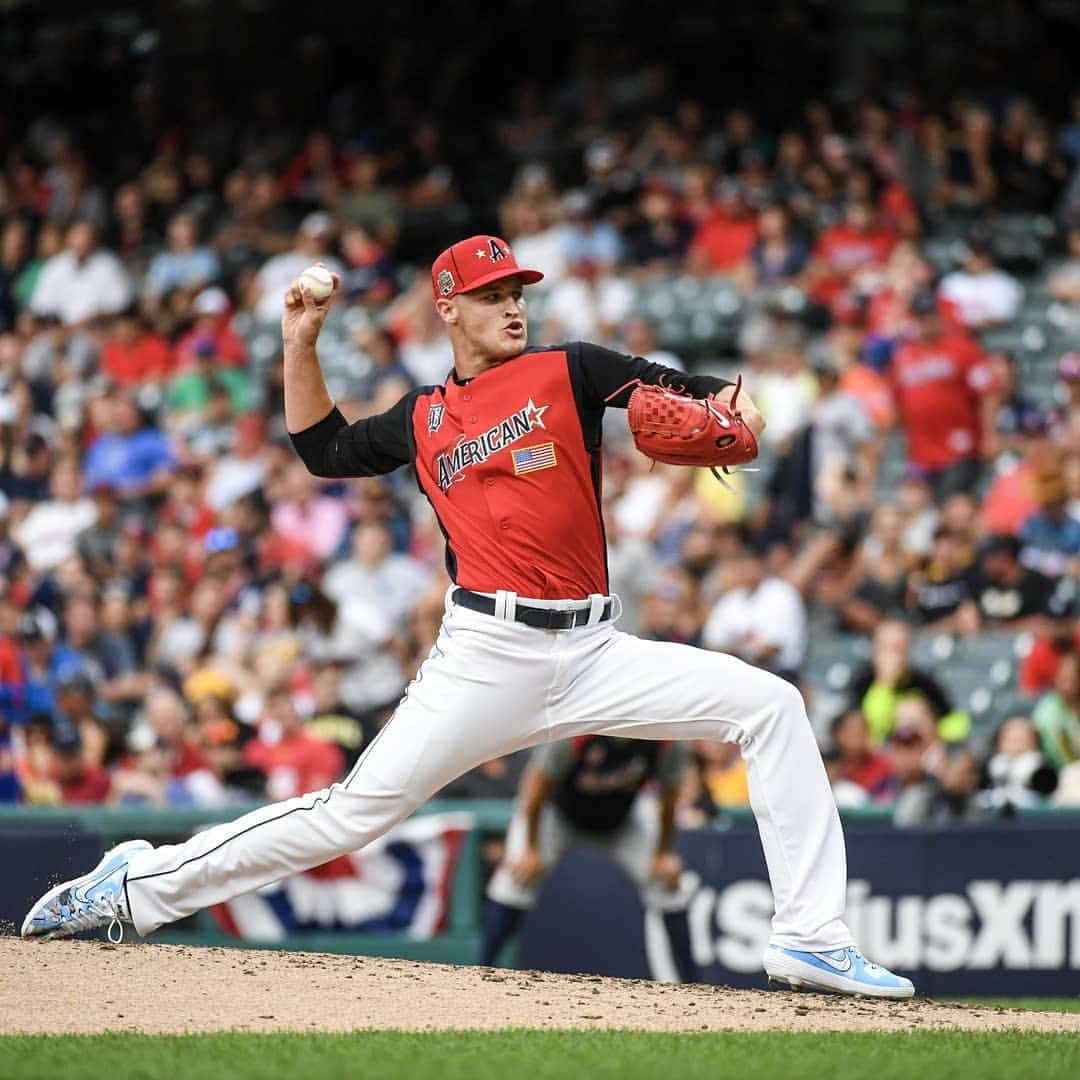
x,y
78,986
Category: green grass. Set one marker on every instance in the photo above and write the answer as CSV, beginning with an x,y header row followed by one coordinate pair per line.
x,y
1050,1004
547,1055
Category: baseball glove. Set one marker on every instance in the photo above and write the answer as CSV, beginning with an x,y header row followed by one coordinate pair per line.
x,y
671,426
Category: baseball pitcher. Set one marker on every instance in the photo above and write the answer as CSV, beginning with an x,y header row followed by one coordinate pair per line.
x,y
508,452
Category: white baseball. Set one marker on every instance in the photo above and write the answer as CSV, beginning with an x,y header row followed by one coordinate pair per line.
x,y
318,281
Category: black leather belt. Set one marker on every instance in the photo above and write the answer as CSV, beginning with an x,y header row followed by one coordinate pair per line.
x,y
540,618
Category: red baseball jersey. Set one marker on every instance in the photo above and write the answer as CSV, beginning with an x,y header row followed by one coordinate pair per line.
x,y
510,461
937,386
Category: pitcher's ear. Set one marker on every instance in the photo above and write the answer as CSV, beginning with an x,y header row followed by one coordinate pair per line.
x,y
447,310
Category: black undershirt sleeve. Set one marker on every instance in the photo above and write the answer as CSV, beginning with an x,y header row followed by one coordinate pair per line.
x,y
370,447
604,371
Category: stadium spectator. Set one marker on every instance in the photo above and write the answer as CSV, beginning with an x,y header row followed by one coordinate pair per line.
x,y
723,773
369,276
376,576
940,591
880,687
879,573
589,238
857,761
659,240
305,516
982,294
1031,179
760,617
945,398
82,283
724,239
1016,773
588,304
539,238
28,684
49,533
132,353
846,252
1050,538
1020,420
210,325
1007,594
129,453
292,760
1057,714
76,780
184,264
366,200
777,257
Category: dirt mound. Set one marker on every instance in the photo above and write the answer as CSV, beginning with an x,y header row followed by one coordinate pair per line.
x,y
77,986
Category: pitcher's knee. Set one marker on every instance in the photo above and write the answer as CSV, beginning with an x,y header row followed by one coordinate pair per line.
x,y
789,699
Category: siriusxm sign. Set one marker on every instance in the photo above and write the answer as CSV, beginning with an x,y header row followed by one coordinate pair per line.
x,y
1017,925
988,910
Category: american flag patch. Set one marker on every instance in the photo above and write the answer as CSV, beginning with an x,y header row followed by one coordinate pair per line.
x,y
534,458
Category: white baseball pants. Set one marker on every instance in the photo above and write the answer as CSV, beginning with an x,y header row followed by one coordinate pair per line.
x,y
491,686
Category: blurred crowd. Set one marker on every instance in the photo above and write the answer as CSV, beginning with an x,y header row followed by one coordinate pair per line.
x,y
188,618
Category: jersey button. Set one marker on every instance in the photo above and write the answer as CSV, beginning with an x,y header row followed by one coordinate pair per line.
x,y
466,397
505,523
490,482
472,419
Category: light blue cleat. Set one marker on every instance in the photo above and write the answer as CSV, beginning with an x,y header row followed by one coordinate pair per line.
x,y
88,902
840,971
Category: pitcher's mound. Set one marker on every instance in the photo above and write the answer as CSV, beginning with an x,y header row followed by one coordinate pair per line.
x,y
78,986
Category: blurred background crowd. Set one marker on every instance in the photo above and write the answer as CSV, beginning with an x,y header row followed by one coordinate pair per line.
x,y
188,618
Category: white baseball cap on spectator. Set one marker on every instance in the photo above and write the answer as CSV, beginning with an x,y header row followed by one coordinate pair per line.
x,y
211,301
317,223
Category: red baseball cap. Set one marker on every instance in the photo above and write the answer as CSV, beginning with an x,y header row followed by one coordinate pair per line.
x,y
477,261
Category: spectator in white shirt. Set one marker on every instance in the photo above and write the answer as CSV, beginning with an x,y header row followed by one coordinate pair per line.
x,y
537,242
82,282
243,470
48,534
314,240
761,618
588,304
982,293
377,576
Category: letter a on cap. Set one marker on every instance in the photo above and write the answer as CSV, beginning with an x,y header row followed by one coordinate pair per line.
x,y
497,252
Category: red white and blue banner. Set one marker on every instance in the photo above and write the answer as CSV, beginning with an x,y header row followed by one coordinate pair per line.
x,y
398,884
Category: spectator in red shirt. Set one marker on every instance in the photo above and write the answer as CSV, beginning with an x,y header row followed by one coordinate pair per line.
x,y
294,761
131,353
167,716
211,326
78,780
946,398
1039,668
845,250
725,239
856,761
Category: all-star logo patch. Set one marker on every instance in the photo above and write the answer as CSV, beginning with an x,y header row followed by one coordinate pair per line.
x,y
445,282
434,417
451,466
